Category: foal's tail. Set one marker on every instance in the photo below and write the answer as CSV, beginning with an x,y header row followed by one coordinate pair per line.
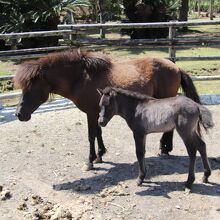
x,y
188,87
205,118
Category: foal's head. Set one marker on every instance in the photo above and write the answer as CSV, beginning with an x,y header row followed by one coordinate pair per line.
x,y
108,107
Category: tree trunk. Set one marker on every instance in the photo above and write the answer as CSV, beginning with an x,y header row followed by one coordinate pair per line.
x,y
184,8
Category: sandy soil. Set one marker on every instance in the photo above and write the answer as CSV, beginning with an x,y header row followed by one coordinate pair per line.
x,y
41,167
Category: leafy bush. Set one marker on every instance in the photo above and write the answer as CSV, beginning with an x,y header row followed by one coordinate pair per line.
x,y
35,15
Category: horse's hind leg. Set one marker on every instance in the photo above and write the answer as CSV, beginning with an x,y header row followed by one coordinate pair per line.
x,y
140,152
101,146
166,143
201,146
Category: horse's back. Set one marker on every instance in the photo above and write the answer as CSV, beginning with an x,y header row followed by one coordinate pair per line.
x,y
154,76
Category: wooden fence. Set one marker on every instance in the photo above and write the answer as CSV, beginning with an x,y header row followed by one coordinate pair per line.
x,y
172,42
70,31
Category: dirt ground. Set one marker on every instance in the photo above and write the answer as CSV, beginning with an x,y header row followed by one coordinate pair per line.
x,y
41,173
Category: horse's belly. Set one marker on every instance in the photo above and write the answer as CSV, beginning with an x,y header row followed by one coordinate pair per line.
x,y
158,126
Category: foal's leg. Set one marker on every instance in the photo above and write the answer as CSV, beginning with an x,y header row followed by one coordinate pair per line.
x,y
201,146
191,149
166,143
92,126
140,152
101,146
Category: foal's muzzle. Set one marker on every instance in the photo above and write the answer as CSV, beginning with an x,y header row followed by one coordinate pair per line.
x,y
102,122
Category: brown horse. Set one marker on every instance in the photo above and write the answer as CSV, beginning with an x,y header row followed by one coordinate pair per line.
x,y
76,75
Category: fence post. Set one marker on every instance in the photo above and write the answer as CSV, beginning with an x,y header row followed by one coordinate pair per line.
x,y
211,9
72,20
172,50
101,18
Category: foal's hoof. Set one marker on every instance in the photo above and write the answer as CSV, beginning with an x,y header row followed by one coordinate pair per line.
x,y
187,191
87,167
163,155
139,181
98,160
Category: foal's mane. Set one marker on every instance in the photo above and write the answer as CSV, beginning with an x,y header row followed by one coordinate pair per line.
x,y
128,93
92,63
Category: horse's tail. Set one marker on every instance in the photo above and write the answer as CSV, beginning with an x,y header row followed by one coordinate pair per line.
x,y
188,87
205,118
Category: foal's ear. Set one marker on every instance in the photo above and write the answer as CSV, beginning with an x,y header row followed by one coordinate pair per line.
x,y
100,91
79,51
113,93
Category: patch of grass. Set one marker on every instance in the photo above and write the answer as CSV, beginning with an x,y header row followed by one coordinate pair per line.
x,y
208,87
7,68
131,53
206,67
206,28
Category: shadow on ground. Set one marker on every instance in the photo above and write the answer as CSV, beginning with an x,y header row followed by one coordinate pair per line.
x,y
156,166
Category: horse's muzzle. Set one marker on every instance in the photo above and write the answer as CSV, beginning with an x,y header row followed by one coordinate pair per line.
x,y
22,117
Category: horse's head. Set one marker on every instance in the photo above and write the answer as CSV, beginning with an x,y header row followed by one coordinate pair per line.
x,y
32,97
108,107
35,91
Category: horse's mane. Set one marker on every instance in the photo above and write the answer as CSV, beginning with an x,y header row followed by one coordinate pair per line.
x,y
92,63
129,93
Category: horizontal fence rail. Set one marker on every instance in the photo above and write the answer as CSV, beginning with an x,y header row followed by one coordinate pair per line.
x,y
138,25
35,34
16,94
70,31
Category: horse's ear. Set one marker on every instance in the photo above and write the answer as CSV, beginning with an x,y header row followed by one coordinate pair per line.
x,y
100,91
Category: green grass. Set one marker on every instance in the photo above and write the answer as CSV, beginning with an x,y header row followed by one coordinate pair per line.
x,y
206,67
206,29
194,67
7,68
208,87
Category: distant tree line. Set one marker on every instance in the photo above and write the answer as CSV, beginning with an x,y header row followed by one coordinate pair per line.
x,y
35,15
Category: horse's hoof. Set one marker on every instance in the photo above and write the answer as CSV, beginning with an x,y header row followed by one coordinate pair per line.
x,y
98,160
188,185
139,181
205,179
88,166
187,191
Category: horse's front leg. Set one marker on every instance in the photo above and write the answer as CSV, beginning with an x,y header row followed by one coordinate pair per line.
x,y
140,152
101,146
92,132
166,143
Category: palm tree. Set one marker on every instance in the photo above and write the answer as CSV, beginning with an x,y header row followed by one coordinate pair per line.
x,y
184,8
35,15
